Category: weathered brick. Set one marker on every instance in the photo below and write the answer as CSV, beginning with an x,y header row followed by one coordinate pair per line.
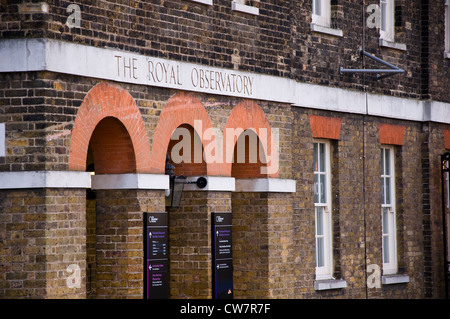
x,y
274,233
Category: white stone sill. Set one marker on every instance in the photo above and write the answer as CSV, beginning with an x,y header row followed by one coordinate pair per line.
x,y
329,284
392,45
44,179
130,181
244,8
270,185
326,30
394,279
207,2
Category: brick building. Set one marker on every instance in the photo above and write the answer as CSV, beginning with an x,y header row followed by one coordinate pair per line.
x,y
344,199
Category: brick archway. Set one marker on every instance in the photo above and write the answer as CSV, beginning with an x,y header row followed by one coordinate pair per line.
x,y
181,109
248,115
102,101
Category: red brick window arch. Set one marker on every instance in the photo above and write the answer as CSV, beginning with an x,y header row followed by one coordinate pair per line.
x,y
187,156
186,111
117,107
112,148
248,156
245,116
325,127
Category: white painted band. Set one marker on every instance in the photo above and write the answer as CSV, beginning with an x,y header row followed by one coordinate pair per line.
x,y
74,179
130,181
214,183
271,185
44,179
22,55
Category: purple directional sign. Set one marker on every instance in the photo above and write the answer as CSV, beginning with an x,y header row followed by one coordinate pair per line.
x,y
156,259
222,256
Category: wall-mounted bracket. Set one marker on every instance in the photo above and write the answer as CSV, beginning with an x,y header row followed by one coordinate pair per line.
x,y
387,72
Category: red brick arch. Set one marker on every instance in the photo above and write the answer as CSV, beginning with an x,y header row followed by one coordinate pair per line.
x,y
102,101
247,115
183,108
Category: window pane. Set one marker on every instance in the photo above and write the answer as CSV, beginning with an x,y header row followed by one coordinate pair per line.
x,y
385,230
385,222
447,27
323,188
387,188
387,162
322,157
383,15
316,188
320,253
383,199
316,157
386,258
317,9
319,221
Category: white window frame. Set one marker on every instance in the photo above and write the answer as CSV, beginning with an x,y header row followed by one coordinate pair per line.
x,y
321,12
323,203
387,23
388,211
321,21
447,29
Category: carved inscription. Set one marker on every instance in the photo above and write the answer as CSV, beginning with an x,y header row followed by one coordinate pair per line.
x,y
163,73
221,81
172,74
126,67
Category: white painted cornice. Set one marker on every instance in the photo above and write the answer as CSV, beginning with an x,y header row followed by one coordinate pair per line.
x,y
22,55
44,179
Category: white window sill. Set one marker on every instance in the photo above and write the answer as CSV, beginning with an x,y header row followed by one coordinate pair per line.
x,y
394,279
244,8
329,284
207,2
447,55
391,44
327,30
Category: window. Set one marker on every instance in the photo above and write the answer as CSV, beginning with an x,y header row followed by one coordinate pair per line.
x,y
447,29
387,20
321,21
322,203
389,245
321,12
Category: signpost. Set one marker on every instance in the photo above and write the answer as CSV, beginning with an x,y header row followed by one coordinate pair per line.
x,y
156,256
222,256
